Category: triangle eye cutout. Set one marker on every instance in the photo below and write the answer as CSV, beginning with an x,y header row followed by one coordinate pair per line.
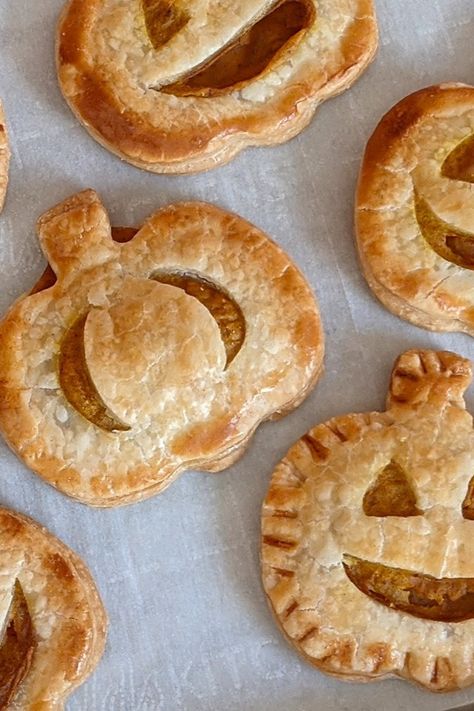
x,y
459,165
391,494
468,503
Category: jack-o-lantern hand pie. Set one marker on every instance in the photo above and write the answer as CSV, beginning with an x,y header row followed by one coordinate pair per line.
x,y
4,157
52,621
155,355
415,209
177,86
368,534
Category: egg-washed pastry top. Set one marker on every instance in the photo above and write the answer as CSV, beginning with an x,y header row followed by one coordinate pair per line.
x,y
155,355
415,209
368,534
183,86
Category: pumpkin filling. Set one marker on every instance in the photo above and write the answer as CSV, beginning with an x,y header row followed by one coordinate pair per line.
x,y
77,385
17,647
459,165
456,246
439,599
226,312
163,20
248,56
391,494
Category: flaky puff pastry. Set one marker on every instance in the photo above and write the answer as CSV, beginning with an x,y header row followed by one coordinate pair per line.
x,y
60,631
152,356
179,87
368,545
415,209
4,157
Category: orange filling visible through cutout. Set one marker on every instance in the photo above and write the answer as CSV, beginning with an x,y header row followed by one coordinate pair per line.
x,y
441,599
391,494
163,19
456,246
17,647
221,306
76,382
459,165
248,56
468,503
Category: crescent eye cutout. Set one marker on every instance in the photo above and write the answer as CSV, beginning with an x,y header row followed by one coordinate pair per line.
x,y
17,646
249,54
222,307
163,20
459,165
468,503
454,245
391,494
77,385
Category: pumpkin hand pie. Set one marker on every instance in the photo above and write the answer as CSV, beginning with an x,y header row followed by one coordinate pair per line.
x,y
4,157
139,359
183,86
53,624
415,209
368,545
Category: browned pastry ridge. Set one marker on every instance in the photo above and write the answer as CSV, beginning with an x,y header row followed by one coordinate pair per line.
x,y
179,87
4,157
150,354
415,209
53,621
368,545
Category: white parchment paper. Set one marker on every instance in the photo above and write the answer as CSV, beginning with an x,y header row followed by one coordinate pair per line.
x,y
179,574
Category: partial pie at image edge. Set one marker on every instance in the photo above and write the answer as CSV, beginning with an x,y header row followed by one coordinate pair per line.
x,y
258,111
4,157
418,263
43,663
364,586
288,354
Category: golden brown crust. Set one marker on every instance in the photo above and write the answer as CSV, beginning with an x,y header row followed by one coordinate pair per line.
x,y
111,75
415,209
4,157
67,615
313,519
152,391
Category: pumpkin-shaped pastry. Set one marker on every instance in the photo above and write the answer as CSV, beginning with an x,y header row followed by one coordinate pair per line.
x,y
177,86
368,534
157,354
415,209
4,157
52,619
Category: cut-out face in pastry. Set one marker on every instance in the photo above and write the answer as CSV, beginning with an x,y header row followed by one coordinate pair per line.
x,y
415,209
178,87
368,538
155,355
4,157
52,621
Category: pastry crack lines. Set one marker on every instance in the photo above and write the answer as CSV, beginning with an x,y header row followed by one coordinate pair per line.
x,y
17,646
449,242
245,58
75,377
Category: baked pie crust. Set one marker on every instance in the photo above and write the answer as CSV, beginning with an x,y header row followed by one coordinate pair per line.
x,y
62,625
4,157
368,545
415,209
156,355
179,87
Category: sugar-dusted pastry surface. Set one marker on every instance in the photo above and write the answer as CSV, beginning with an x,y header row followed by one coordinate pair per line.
x,y
4,157
61,618
415,209
368,545
153,355
183,87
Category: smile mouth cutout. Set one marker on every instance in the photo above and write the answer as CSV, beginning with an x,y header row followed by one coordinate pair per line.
x,y
418,594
